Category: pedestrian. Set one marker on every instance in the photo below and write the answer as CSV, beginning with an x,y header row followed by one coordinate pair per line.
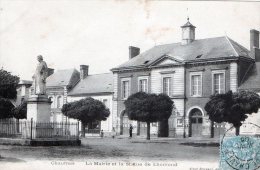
x,y
113,133
130,130
102,134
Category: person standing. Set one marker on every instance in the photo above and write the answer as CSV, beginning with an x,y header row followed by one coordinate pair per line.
x,y
130,130
102,133
113,133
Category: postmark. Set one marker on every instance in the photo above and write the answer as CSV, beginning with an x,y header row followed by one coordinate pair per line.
x,y
239,153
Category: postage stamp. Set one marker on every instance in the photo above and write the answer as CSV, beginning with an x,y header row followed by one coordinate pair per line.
x,y
240,152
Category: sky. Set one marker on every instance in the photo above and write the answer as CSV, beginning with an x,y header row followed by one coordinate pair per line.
x,y
68,33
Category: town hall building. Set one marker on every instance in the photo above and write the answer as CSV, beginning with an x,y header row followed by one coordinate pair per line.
x,y
189,72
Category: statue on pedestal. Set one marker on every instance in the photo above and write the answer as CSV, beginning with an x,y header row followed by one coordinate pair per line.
x,y
39,77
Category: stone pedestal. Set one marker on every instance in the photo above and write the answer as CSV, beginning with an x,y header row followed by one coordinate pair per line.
x,y
39,108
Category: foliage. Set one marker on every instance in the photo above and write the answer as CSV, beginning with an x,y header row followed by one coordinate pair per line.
x,y
232,107
148,108
8,85
5,108
86,110
20,112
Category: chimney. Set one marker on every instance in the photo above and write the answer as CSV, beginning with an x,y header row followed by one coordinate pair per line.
x,y
83,71
254,45
188,33
50,71
133,51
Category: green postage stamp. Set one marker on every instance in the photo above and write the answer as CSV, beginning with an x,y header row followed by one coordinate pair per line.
x,y
239,153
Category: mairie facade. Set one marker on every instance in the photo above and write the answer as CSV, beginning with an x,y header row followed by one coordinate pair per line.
x,y
189,72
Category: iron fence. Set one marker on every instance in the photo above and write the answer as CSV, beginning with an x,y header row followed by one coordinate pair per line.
x,y
92,131
12,128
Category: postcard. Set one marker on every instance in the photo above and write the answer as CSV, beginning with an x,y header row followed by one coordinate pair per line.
x,y
134,84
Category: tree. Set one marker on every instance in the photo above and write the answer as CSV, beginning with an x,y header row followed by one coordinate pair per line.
x,y
5,108
8,85
148,108
86,110
232,107
20,112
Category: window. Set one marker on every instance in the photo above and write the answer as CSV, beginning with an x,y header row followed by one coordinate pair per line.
x,y
52,103
196,85
218,83
125,89
143,85
59,102
154,124
167,85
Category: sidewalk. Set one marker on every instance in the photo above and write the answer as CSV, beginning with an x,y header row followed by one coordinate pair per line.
x,y
197,141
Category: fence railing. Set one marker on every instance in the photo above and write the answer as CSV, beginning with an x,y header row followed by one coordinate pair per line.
x,y
93,131
38,130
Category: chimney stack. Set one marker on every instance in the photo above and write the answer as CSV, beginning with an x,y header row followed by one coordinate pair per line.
x,y
254,45
133,52
83,71
50,71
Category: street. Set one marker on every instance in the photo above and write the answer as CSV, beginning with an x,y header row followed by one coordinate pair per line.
x,y
123,149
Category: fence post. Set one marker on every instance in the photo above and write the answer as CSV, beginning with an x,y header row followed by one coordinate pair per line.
x,y
31,128
78,129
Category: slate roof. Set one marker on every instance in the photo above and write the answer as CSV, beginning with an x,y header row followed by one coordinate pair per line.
x,y
94,84
210,48
27,82
61,78
252,79
188,24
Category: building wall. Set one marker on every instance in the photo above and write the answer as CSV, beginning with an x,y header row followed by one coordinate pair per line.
x,y
177,94
179,122
23,92
57,93
243,67
118,101
177,74
206,71
251,129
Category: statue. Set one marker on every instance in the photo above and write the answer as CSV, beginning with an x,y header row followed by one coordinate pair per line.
x,y
39,77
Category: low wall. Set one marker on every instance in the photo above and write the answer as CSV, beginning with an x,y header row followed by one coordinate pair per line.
x,y
45,142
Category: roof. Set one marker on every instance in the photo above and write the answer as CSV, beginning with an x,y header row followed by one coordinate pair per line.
x,y
252,79
62,78
210,48
188,24
94,84
29,82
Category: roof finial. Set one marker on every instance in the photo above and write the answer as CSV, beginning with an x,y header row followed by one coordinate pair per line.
x,y
188,15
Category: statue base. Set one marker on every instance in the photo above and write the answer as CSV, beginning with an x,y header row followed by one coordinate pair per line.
x,y
39,108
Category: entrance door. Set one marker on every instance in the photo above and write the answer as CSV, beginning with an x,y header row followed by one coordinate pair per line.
x,y
196,122
126,124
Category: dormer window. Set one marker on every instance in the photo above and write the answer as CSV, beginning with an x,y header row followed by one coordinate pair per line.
x,y
146,61
199,56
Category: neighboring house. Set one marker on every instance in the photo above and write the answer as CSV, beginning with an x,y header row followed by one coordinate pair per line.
x,y
99,87
57,86
252,82
23,91
189,72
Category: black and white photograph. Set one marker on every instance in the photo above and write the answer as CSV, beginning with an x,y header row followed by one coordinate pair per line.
x,y
129,84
